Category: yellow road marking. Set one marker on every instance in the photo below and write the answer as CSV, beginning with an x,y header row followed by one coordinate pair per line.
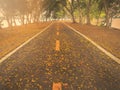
x,y
57,86
58,33
57,45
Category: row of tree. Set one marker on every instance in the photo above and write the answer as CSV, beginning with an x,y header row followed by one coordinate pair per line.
x,y
30,11
20,11
86,10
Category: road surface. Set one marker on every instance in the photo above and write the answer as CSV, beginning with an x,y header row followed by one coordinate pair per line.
x,y
62,57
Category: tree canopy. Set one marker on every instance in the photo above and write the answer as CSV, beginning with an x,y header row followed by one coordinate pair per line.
x,y
29,11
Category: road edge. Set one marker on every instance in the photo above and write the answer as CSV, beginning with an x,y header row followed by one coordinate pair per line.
x,y
23,44
96,45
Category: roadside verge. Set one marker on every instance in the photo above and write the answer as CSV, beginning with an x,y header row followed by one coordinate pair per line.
x,y
116,59
13,51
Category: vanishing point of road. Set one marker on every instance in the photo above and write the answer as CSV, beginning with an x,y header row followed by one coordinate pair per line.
x,y
59,59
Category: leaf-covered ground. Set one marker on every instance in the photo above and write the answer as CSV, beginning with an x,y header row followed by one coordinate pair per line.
x,y
78,65
107,38
10,38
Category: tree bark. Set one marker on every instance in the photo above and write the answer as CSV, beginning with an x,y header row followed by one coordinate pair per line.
x,y
22,19
107,17
79,12
73,17
80,15
88,12
1,24
14,21
9,21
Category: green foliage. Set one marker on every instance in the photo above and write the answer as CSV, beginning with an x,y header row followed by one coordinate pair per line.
x,y
76,9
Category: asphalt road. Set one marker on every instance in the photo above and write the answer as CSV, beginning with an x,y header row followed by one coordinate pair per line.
x,y
59,55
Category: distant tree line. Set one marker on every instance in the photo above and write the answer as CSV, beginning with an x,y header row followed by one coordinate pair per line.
x,y
22,11
31,11
85,10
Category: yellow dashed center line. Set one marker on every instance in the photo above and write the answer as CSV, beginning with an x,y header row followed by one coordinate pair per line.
x,y
58,33
57,48
57,86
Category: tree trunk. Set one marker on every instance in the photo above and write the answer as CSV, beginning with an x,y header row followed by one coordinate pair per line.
x,y
79,12
88,18
107,18
22,19
73,17
97,23
1,24
88,12
27,18
46,19
9,21
111,19
98,18
80,16
14,21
